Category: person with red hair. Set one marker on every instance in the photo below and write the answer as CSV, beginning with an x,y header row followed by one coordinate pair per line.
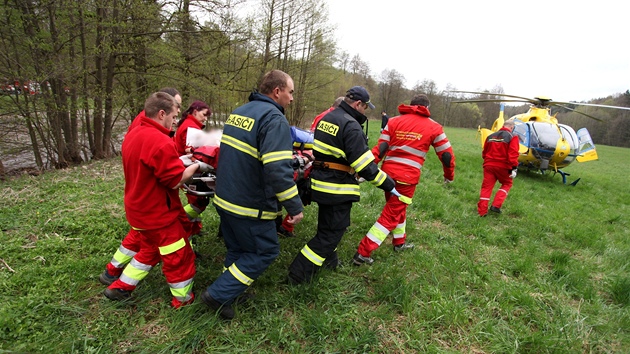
x,y
194,117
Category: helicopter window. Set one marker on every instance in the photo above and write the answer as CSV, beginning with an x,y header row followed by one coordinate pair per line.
x,y
547,136
569,134
522,132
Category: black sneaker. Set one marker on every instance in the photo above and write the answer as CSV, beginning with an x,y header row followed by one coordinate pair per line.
x,y
225,311
404,246
359,259
106,279
282,232
495,210
117,294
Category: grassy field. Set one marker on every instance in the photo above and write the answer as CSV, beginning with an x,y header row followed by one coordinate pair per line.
x,y
549,275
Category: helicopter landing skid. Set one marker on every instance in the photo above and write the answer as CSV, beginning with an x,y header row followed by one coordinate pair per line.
x,y
564,178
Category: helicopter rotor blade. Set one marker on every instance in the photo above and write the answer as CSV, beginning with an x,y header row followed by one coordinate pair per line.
x,y
489,100
525,99
573,110
590,104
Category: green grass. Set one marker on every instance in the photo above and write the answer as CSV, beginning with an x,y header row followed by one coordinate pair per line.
x,y
549,275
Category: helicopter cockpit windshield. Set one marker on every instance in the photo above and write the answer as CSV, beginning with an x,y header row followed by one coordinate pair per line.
x,y
543,138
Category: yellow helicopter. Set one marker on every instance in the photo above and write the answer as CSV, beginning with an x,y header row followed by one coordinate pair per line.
x,y
545,144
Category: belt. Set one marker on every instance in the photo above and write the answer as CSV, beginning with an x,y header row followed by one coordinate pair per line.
x,y
322,165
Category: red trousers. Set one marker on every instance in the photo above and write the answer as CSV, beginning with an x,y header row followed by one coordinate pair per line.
x,y
492,174
169,245
393,219
130,245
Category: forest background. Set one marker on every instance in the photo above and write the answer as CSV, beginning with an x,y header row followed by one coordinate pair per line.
x,y
75,73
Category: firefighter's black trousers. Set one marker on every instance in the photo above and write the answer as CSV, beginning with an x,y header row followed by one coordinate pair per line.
x,y
332,222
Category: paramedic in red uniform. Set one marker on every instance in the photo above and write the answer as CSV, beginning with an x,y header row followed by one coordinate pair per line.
x,y
193,117
130,245
153,175
500,160
403,147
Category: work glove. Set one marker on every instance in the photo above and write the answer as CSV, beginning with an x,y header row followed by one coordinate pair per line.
x,y
447,181
513,173
203,167
186,159
401,197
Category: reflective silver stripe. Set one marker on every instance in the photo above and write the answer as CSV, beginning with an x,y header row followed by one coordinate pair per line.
x,y
384,137
126,251
141,266
181,284
502,190
409,149
129,280
439,137
443,147
134,272
404,161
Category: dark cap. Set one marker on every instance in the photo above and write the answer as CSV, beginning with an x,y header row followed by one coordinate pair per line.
x,y
358,93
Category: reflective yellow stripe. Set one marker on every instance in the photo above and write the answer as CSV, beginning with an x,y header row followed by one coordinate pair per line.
x,y
400,229
240,276
328,149
173,247
120,258
335,188
380,178
241,210
182,289
240,145
288,194
377,233
312,256
136,271
190,211
276,156
362,162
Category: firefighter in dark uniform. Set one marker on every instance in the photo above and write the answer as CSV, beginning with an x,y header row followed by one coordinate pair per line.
x,y
255,173
340,150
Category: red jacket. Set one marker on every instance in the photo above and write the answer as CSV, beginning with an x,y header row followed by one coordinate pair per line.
x,y
319,117
182,132
152,169
136,121
501,149
409,137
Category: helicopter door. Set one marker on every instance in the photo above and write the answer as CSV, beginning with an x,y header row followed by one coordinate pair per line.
x,y
521,130
586,150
